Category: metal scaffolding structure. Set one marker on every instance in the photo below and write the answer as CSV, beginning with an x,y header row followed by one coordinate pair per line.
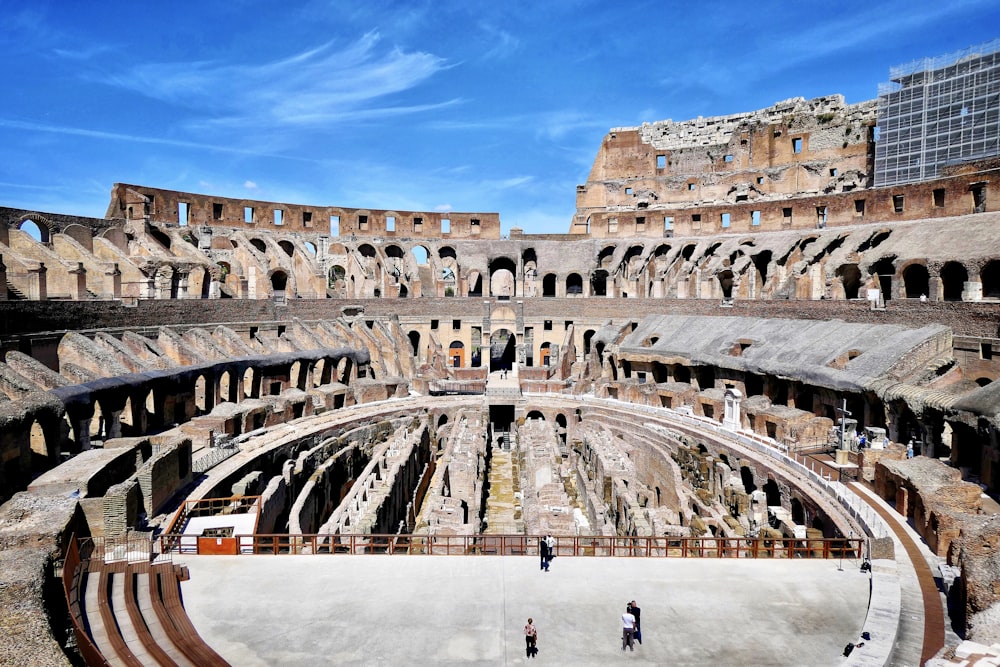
x,y
938,111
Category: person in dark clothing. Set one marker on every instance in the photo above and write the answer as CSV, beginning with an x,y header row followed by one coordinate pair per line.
x,y
543,552
633,609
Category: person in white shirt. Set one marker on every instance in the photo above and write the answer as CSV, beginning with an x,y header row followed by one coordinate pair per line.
x,y
628,630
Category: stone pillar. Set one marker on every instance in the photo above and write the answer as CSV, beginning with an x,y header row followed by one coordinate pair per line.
x,y
112,424
80,272
972,291
3,280
182,284
37,286
113,282
732,419
214,289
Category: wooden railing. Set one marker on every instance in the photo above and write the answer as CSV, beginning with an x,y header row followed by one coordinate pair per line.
x,y
527,545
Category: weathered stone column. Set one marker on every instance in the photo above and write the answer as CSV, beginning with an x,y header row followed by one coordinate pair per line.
x,y
37,286
182,284
113,282
80,272
733,419
972,291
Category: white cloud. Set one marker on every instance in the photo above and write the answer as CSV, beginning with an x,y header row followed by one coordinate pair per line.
x,y
249,185
443,208
309,88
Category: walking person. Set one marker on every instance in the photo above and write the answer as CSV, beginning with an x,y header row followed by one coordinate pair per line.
x,y
551,542
628,629
633,608
543,553
530,640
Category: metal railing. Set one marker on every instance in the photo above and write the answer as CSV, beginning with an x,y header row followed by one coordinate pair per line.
x,y
527,545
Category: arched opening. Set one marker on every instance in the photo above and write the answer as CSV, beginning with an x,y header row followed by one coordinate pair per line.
x,y
279,280
916,281
249,390
456,354
850,278
544,354
259,244
990,278
761,261
682,374
310,248
503,348
726,283
502,272
574,284
605,257
420,254
773,493
587,336
884,270
227,388
39,450
798,512
200,395
39,232
549,285
599,282
335,283
953,279
536,415
749,486
287,247
414,337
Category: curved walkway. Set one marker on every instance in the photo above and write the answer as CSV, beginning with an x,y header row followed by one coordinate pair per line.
x,y
933,631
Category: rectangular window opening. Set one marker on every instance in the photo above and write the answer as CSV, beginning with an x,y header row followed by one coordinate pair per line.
x,y
897,203
978,197
797,145
547,326
182,213
690,186
307,219
248,214
668,223
456,325
363,223
640,222
786,213
334,225
445,226
755,218
859,208
760,180
279,216
628,191
216,211
834,172
986,350
475,226
434,325
728,158
725,220
696,217
939,197
661,161
418,225
390,223
612,225
821,216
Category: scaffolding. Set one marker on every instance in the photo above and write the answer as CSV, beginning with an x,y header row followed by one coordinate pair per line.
x,y
935,112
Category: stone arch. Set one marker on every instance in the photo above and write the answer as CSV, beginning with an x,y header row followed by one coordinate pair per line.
x,y
990,278
535,414
574,284
259,245
953,279
916,281
549,285
599,283
456,354
544,354
773,493
117,237
726,283
503,272
798,512
605,257
850,279
279,282
587,336
36,226
883,272
503,348
287,246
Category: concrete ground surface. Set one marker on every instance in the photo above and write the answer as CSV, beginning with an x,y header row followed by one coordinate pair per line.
x,y
438,610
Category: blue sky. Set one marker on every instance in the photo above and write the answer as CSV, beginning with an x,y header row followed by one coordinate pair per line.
x,y
437,105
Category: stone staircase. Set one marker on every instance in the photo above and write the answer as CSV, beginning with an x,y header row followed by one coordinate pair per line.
x,y
14,294
503,508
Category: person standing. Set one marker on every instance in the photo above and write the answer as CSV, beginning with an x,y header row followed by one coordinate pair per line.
x,y
543,553
633,608
551,542
530,640
628,629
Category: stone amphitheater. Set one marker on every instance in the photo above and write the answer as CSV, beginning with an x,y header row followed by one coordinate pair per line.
x,y
741,346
